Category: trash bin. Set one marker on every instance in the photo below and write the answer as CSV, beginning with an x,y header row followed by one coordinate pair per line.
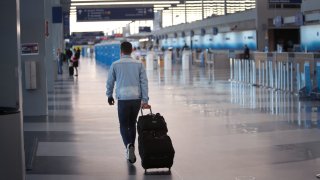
x,y
12,164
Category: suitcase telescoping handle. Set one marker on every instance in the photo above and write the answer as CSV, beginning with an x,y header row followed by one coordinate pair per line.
x,y
142,111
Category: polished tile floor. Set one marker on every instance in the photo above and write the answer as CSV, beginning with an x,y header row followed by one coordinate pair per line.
x,y
221,130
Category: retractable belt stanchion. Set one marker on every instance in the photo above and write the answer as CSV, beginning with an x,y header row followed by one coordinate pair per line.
x,y
280,74
186,60
285,76
168,60
240,70
254,73
263,82
298,77
267,84
150,63
291,77
275,75
288,76
318,117
236,70
318,76
260,74
284,85
231,69
271,73
307,78
247,71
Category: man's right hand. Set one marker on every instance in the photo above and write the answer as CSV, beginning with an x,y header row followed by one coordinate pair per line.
x,y
111,101
145,106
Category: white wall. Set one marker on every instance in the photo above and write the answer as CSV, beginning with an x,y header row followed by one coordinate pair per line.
x,y
310,5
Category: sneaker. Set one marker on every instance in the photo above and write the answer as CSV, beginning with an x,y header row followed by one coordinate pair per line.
x,y
130,153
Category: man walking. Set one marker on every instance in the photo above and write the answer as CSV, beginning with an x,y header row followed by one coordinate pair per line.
x,y
131,92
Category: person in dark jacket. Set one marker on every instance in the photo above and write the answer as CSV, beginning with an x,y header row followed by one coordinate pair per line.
x,y
76,60
246,52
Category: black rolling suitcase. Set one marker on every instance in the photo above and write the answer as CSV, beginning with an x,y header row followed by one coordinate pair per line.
x,y
155,146
71,71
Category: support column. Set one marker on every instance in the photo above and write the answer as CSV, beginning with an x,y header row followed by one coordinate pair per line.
x,y
33,30
262,24
225,7
12,164
185,12
202,9
172,16
52,42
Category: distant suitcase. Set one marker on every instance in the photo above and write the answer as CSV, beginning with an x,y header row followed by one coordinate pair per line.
x,y
155,146
71,71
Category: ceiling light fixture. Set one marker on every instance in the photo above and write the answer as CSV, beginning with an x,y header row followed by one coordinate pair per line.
x,y
123,3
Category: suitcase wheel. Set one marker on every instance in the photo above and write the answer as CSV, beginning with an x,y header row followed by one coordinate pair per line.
x,y
145,171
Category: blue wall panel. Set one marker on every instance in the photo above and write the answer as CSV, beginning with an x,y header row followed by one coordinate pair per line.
x,y
107,53
310,38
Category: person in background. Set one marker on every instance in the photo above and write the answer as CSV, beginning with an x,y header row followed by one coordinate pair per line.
x,y
246,52
76,60
69,54
132,94
59,58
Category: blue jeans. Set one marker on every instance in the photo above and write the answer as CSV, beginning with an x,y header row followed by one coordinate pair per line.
x,y
59,67
128,111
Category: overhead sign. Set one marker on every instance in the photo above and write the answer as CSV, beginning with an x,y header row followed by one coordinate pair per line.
x,y
66,25
114,14
57,14
285,1
144,29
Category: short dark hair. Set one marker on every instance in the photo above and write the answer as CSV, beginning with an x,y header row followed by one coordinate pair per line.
x,y
126,48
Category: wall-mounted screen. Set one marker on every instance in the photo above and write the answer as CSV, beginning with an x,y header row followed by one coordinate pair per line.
x,y
174,43
197,41
181,42
234,40
221,41
164,43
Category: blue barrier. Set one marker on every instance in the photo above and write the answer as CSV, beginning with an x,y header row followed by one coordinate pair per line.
x,y
307,77
318,76
107,53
